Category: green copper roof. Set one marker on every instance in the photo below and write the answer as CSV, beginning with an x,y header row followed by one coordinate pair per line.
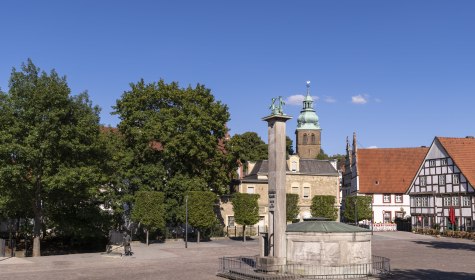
x,y
308,118
323,226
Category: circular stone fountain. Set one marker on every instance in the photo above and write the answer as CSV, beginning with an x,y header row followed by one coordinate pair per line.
x,y
328,243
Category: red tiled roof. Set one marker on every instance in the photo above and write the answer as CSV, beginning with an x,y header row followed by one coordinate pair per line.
x,y
462,152
388,170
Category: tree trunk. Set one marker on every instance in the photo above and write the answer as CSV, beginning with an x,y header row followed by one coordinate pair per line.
x,y
244,233
198,240
36,236
38,211
147,237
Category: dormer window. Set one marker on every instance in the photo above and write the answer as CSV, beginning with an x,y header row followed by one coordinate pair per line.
x,y
293,166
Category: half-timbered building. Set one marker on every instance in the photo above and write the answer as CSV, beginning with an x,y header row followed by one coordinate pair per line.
x,y
383,173
444,183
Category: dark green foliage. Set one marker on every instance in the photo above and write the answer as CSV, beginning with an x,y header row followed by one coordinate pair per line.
x,y
363,207
324,206
175,141
201,214
246,209
49,153
149,209
289,146
248,147
292,200
322,155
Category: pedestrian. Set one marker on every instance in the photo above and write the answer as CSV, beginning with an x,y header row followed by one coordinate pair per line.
x,y
127,240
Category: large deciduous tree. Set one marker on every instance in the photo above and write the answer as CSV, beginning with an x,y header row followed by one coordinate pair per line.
x,y
149,210
49,150
248,147
201,213
246,210
324,206
177,138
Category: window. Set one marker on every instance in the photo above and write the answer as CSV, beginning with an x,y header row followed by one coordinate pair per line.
x,y
456,179
432,162
294,166
231,221
422,180
314,141
455,201
305,139
425,201
418,202
443,161
447,201
466,201
441,180
399,214
387,217
250,189
295,190
398,198
387,198
306,192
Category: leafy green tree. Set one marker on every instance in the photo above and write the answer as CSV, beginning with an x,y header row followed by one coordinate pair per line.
x,y
363,208
49,151
246,210
289,146
324,206
201,214
292,201
248,147
177,140
322,155
149,210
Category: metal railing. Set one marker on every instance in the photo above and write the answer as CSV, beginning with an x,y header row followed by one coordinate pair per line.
x,y
248,267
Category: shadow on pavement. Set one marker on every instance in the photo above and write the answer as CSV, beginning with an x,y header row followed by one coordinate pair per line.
x,y
447,245
428,274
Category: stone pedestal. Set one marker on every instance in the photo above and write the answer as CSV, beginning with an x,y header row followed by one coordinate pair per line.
x,y
277,192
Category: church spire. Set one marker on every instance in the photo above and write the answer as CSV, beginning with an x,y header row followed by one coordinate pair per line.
x,y
308,118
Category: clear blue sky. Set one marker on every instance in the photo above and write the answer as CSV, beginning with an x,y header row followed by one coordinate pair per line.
x,y
413,62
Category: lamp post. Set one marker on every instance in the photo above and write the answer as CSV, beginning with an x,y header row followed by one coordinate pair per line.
x,y
186,221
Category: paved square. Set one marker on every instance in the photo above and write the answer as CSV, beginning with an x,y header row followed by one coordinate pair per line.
x,y
412,256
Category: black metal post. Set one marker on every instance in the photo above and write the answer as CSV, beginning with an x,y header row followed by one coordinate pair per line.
x,y
186,221
356,210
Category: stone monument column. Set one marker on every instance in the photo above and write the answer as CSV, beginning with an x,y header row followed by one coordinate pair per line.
x,y
277,171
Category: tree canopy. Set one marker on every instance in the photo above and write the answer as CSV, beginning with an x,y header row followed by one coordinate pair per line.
x,y
363,208
177,140
149,210
292,201
324,206
49,152
246,209
201,214
248,147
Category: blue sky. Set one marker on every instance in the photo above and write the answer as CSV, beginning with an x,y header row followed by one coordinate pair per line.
x,y
396,72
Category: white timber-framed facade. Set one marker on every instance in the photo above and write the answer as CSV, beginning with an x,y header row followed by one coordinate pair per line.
x,y
445,181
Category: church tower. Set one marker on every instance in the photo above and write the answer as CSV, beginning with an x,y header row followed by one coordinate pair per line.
x,y
308,133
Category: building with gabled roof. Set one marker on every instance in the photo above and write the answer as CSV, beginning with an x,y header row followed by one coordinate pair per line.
x,y
305,175
383,173
444,183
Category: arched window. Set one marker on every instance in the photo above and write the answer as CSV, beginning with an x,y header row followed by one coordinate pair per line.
x,y
305,139
314,140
